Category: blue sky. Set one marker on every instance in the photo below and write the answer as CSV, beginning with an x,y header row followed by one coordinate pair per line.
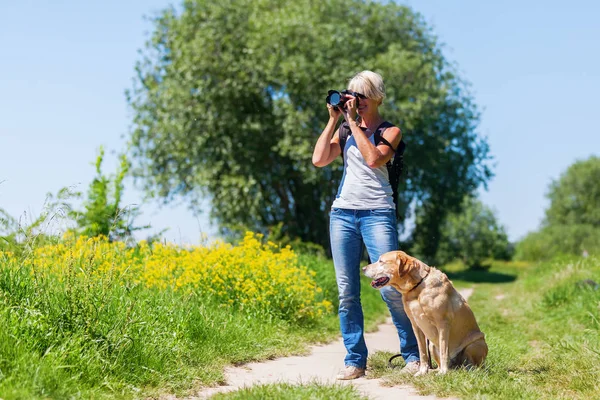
x,y
533,68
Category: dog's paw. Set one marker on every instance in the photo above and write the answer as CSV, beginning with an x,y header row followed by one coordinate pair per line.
x,y
422,371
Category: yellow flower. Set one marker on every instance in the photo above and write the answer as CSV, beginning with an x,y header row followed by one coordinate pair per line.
x,y
251,276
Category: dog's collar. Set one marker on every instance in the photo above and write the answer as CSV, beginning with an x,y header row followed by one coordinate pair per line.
x,y
421,281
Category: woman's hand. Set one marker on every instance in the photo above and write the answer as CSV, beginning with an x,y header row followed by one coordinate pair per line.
x,y
334,112
350,109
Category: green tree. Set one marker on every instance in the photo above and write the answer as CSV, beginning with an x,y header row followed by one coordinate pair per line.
x,y
553,240
575,196
229,101
473,235
102,212
572,222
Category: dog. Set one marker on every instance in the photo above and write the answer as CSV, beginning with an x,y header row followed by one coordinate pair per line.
x,y
436,310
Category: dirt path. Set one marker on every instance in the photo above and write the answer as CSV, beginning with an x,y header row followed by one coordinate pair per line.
x,y
321,365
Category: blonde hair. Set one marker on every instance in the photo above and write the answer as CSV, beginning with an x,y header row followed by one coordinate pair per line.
x,y
368,83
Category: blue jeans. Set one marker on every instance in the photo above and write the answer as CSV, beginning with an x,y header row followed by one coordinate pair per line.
x,y
377,229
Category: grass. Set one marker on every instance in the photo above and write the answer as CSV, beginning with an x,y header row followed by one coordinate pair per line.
x,y
94,339
312,391
81,339
542,326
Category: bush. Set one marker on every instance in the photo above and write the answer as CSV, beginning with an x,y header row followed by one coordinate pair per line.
x,y
473,236
554,240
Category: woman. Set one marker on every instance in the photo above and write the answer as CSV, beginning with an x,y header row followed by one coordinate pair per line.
x,y
363,212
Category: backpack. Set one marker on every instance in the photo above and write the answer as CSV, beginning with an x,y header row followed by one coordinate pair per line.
x,y
394,165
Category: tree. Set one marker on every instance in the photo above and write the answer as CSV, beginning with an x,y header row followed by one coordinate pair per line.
x,y
575,196
102,212
553,240
572,222
229,101
473,235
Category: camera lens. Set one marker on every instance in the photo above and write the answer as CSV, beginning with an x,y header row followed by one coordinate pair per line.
x,y
335,99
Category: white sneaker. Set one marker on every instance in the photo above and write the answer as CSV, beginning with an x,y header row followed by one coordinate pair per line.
x,y
411,367
350,372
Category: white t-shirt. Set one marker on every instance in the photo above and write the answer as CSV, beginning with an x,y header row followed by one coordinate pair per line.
x,y
362,187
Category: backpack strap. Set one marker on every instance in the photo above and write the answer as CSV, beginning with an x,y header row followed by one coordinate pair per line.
x,y
378,138
394,165
345,132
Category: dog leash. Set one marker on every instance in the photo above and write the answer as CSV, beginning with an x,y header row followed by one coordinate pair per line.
x,y
390,365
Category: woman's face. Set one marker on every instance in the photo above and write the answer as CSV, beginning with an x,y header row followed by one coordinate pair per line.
x,y
366,105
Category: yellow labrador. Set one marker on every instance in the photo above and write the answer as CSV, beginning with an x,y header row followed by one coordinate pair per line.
x,y
436,310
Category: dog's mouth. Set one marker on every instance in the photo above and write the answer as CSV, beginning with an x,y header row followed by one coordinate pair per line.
x,y
380,282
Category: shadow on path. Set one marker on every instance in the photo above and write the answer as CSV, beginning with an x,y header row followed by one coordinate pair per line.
x,y
481,276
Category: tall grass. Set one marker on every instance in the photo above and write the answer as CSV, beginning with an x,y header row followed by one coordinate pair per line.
x,y
81,322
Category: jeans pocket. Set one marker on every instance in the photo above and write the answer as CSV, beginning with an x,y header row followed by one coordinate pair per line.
x,y
336,211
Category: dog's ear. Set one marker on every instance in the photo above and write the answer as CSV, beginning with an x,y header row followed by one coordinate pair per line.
x,y
403,263
420,266
416,264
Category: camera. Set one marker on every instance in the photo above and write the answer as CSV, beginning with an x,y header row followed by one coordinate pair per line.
x,y
338,99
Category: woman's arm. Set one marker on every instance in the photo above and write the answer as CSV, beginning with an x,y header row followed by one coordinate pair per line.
x,y
375,156
327,148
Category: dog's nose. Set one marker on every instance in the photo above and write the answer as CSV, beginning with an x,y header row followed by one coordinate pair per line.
x,y
364,269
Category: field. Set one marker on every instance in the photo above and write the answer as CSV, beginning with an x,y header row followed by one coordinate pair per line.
x,y
85,318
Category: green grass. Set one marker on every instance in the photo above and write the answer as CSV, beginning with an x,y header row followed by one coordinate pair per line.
x,y
75,339
542,329
312,391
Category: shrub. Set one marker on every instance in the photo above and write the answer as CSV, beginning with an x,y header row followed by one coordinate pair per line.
x,y
554,240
